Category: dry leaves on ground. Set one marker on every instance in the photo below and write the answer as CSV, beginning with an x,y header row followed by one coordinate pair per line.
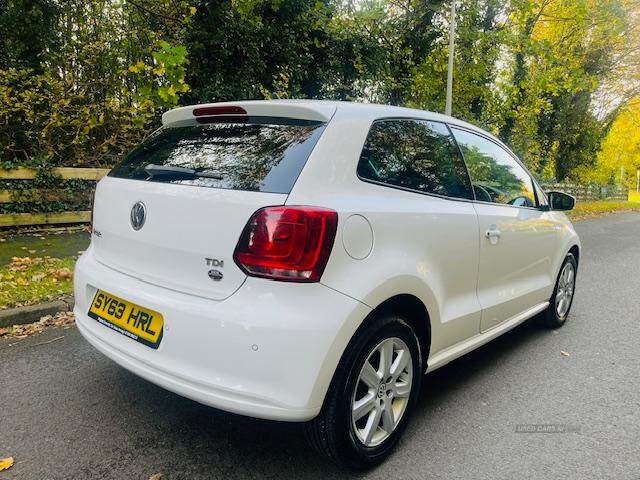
x,y
20,264
21,331
156,476
28,280
565,354
6,463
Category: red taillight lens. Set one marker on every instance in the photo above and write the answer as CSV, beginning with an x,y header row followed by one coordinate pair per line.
x,y
220,110
287,243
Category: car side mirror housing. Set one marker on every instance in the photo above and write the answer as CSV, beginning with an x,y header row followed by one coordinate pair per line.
x,y
561,201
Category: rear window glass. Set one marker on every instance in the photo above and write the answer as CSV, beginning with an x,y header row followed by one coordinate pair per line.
x,y
262,154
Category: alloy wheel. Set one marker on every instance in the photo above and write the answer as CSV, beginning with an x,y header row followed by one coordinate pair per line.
x,y
566,286
382,392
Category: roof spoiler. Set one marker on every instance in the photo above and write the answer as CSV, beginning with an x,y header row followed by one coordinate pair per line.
x,y
321,112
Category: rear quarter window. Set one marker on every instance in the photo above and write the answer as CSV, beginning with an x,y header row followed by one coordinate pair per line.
x,y
417,155
264,154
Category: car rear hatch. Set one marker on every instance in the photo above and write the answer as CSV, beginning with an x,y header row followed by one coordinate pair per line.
x,y
172,211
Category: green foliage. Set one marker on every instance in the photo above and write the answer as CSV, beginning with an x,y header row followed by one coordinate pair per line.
x,y
480,35
44,122
252,48
83,82
162,82
115,67
561,56
28,29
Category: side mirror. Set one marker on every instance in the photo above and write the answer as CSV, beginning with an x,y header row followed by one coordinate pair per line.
x,y
561,201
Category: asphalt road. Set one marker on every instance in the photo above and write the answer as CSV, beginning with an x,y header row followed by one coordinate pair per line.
x,y
68,412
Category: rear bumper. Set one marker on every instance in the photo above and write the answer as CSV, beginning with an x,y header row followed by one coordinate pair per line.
x,y
268,351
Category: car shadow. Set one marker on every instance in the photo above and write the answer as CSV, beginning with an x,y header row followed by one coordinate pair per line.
x,y
184,439
438,385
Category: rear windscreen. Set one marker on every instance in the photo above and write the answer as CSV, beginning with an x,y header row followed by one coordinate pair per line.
x,y
264,154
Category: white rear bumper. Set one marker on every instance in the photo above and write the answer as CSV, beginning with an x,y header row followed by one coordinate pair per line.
x,y
268,351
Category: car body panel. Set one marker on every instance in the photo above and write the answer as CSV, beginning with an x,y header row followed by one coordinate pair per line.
x,y
389,242
261,352
185,226
516,268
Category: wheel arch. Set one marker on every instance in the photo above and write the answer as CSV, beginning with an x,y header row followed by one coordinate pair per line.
x,y
411,309
414,312
575,251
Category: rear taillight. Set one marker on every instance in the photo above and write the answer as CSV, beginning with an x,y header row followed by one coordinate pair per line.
x,y
287,243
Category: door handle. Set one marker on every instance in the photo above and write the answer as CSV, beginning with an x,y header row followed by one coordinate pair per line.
x,y
493,234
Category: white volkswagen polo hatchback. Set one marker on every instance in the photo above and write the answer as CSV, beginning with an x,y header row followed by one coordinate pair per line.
x,y
309,261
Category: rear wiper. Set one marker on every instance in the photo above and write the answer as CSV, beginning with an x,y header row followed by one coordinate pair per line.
x,y
177,173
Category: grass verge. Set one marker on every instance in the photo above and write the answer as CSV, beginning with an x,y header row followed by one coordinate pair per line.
x,y
27,280
599,208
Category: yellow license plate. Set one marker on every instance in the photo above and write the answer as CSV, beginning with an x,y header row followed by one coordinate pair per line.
x,y
136,322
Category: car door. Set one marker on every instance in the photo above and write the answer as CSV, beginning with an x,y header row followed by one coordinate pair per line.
x,y
517,241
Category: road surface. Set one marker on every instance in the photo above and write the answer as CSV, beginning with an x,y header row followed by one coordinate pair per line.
x,y
66,412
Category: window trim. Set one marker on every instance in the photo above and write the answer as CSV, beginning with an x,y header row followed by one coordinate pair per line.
x,y
534,184
412,190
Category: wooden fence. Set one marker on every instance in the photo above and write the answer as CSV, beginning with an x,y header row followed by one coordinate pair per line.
x,y
589,192
25,219
581,192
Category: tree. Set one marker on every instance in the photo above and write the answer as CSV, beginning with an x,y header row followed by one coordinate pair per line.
x,y
561,56
252,48
480,34
620,151
28,29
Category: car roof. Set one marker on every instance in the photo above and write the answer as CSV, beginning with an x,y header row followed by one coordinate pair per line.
x,y
322,110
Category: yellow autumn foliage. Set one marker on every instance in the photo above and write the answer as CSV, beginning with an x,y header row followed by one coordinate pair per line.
x,y
620,151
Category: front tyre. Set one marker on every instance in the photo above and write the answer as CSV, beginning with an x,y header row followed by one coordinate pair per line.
x,y
560,303
371,396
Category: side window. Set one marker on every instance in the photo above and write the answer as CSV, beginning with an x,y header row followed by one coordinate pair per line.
x,y
496,176
414,154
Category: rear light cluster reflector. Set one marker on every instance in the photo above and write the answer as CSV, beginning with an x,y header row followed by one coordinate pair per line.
x,y
287,243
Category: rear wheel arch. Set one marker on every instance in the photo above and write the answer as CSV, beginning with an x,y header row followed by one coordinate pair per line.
x,y
575,251
415,313
412,310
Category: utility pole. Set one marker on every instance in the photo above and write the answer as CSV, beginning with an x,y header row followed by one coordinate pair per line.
x,y
452,33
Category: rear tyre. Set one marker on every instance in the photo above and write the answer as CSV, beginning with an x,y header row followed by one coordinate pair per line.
x,y
560,303
371,396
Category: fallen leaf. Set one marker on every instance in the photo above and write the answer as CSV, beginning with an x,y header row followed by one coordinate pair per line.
x,y
156,476
60,319
63,274
37,277
6,463
565,354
